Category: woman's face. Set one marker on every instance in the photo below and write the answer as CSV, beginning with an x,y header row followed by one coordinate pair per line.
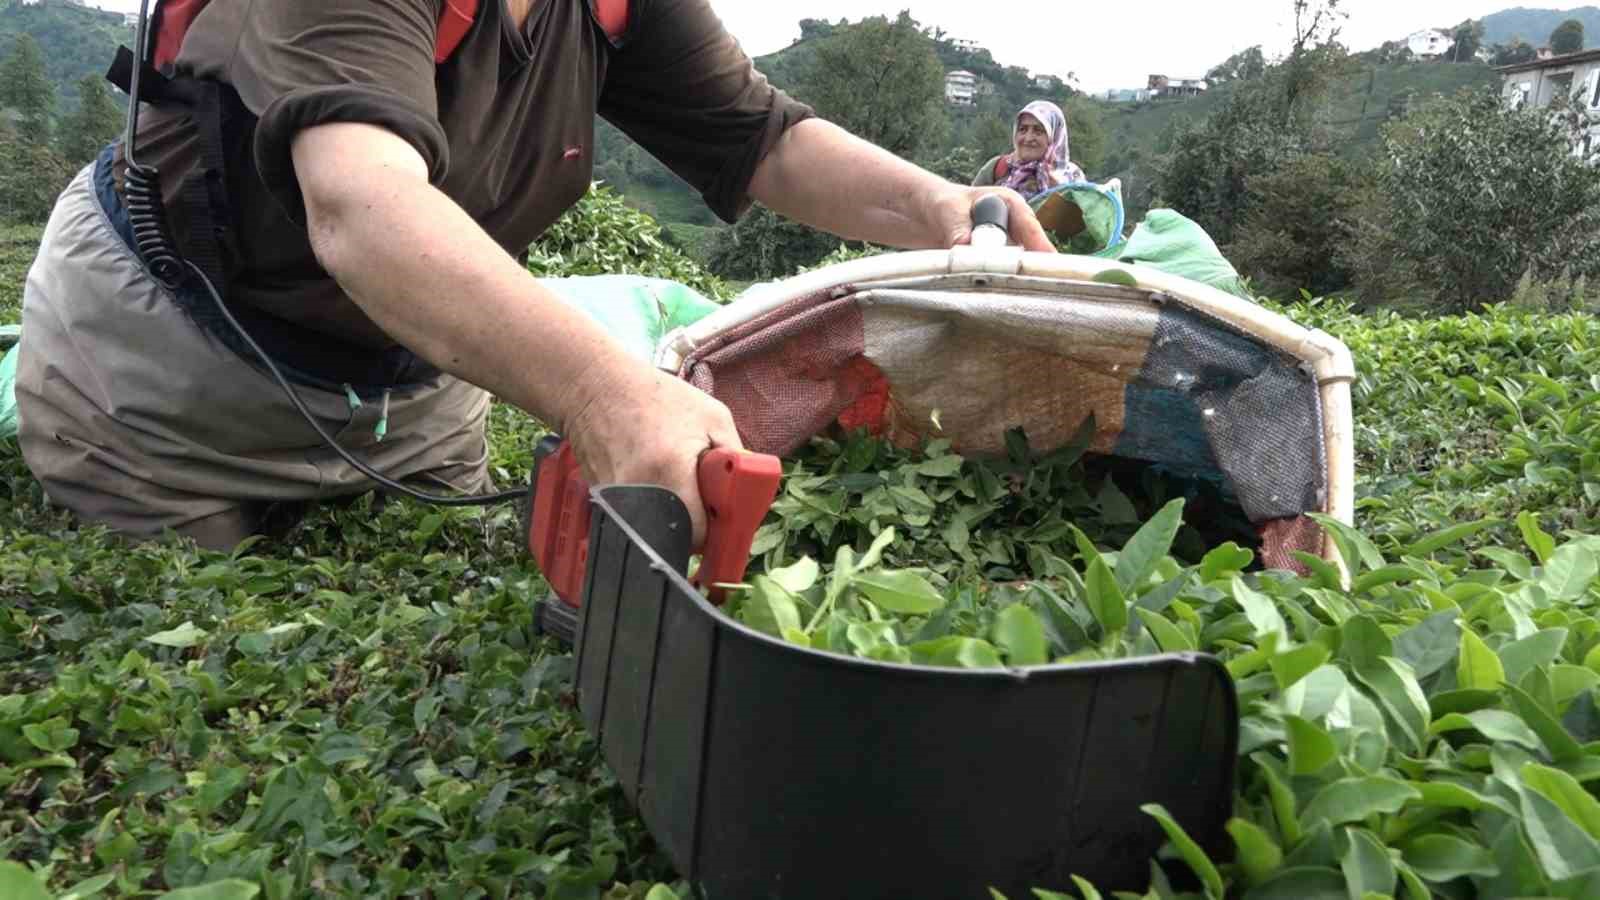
x,y
1031,140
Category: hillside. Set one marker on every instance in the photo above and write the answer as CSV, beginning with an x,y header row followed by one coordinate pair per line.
x,y
1534,25
76,41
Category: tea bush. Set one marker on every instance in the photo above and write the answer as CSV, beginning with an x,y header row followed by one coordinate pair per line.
x,y
362,709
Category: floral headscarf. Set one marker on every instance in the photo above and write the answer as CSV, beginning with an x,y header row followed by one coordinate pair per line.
x,y
1055,167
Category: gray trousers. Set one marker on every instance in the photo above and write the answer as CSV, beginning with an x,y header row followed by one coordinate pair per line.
x,y
132,416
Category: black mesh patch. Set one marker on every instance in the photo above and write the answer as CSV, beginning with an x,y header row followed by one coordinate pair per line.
x,y
1210,397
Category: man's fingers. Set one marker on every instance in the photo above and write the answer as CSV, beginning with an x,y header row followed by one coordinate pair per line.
x,y
1025,228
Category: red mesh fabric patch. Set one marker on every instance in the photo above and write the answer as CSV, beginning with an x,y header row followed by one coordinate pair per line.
x,y
788,375
1280,538
871,407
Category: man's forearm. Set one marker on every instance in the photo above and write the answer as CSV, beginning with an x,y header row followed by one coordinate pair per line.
x,y
821,174
433,280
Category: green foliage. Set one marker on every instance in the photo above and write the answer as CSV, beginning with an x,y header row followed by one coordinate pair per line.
x,y
602,235
1476,195
881,81
25,89
32,175
1300,225
95,122
76,41
1242,66
1206,175
764,245
1466,40
1567,37
1517,51
1534,24
18,244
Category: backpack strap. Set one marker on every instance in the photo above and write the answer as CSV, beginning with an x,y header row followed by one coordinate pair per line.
x,y
456,18
613,18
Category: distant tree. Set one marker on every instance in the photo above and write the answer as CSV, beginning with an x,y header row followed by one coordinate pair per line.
x,y
1476,195
1467,39
1518,51
1390,53
880,80
1300,220
1567,38
815,28
764,245
31,176
1313,54
92,125
1244,65
25,88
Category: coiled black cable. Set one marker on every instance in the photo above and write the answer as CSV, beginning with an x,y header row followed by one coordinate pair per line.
x,y
147,213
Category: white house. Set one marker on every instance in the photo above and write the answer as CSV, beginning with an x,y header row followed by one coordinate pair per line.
x,y
1162,86
960,87
1429,43
1577,75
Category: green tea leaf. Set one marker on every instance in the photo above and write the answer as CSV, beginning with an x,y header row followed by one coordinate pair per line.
x,y
1020,636
1429,645
1534,651
1354,546
230,889
1366,865
1441,858
1223,560
1106,600
1168,636
770,608
1494,724
798,577
1188,850
1477,667
1120,277
1363,642
1569,572
1301,883
1310,748
1292,665
1563,848
903,592
185,635
1260,610
1563,747
1147,546
1379,577
1542,544
1258,854
958,652
1564,791
17,882
1447,537
1353,799
1397,691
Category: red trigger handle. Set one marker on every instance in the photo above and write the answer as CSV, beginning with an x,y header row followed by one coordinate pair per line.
x,y
736,486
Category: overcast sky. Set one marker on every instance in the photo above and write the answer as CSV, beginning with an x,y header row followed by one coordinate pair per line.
x,y
1113,44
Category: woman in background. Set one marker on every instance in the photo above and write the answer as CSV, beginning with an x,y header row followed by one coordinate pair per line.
x,y
1040,157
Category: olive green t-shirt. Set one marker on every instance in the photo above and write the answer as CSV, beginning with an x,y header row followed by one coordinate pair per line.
x,y
506,127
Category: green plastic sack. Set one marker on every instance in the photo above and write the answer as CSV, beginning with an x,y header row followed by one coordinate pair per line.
x,y
636,310
1097,218
1176,245
8,380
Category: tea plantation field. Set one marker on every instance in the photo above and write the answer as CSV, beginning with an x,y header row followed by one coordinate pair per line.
x,y
363,709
